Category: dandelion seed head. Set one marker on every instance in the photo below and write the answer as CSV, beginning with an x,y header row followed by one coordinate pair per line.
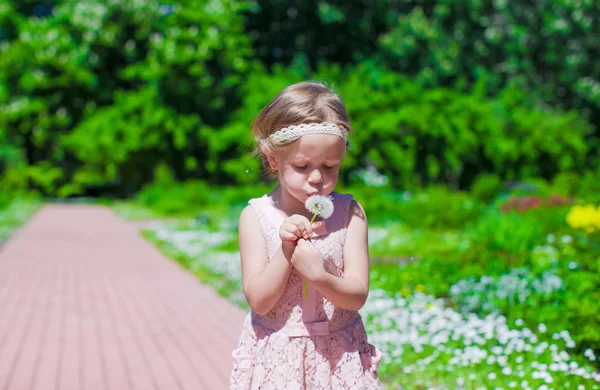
x,y
319,205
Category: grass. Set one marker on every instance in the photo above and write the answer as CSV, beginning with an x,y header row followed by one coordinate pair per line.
x,y
15,214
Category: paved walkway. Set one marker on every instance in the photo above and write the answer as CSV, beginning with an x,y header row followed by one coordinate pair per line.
x,y
86,303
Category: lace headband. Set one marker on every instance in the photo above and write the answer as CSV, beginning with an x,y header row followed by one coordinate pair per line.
x,y
294,132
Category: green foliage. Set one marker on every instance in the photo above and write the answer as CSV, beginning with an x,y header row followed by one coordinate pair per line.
x,y
119,143
175,200
507,266
15,211
103,91
582,299
566,183
381,205
438,208
195,196
508,232
458,43
418,136
333,31
589,187
5,200
486,187
549,47
403,244
94,95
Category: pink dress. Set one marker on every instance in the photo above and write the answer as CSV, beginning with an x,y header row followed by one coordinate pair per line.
x,y
305,343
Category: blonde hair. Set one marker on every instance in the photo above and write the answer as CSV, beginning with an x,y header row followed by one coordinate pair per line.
x,y
304,102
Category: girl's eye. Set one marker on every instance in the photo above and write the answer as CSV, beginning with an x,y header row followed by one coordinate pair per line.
x,y
300,167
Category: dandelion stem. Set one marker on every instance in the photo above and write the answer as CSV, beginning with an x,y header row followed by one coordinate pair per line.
x,y
305,289
305,286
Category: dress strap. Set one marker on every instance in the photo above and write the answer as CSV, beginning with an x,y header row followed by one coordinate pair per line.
x,y
265,205
267,220
343,202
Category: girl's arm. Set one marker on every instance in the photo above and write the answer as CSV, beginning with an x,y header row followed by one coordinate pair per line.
x,y
351,291
263,281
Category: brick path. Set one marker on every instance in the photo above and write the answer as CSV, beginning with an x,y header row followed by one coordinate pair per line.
x,y
87,303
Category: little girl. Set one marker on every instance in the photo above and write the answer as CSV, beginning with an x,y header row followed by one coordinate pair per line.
x,y
292,339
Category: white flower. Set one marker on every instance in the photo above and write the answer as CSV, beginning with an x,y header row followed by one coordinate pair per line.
x,y
319,205
542,328
519,322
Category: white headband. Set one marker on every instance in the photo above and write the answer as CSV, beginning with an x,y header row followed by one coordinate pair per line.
x,y
294,132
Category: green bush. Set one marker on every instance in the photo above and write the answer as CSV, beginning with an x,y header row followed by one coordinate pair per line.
x,y
548,47
457,43
417,136
582,297
509,233
5,200
486,187
381,205
566,183
195,196
589,187
97,93
91,107
438,208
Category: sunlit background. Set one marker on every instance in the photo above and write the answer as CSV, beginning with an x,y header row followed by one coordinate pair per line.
x,y
475,155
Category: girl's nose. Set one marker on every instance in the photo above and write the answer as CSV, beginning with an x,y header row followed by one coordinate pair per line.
x,y
315,177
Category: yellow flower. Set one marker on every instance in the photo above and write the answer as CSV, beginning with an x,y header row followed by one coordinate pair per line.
x,y
430,306
585,217
420,288
405,291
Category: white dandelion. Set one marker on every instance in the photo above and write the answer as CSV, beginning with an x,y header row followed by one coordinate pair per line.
x,y
319,205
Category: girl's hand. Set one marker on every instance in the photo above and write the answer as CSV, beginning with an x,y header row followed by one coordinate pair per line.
x,y
307,259
295,227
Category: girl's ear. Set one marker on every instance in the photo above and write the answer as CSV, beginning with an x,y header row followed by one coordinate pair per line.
x,y
271,158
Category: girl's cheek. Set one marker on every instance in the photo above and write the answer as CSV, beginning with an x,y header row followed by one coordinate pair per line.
x,y
333,176
294,178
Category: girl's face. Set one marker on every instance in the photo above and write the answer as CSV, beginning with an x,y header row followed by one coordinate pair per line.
x,y
310,165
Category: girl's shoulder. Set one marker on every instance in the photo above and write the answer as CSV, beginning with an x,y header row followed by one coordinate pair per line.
x,y
261,204
261,199
265,210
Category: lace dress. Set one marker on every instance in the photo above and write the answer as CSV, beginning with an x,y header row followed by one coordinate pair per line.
x,y
305,343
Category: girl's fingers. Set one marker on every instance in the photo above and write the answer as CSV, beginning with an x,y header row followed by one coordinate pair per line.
x,y
297,230
304,230
287,236
317,224
301,226
304,226
293,229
